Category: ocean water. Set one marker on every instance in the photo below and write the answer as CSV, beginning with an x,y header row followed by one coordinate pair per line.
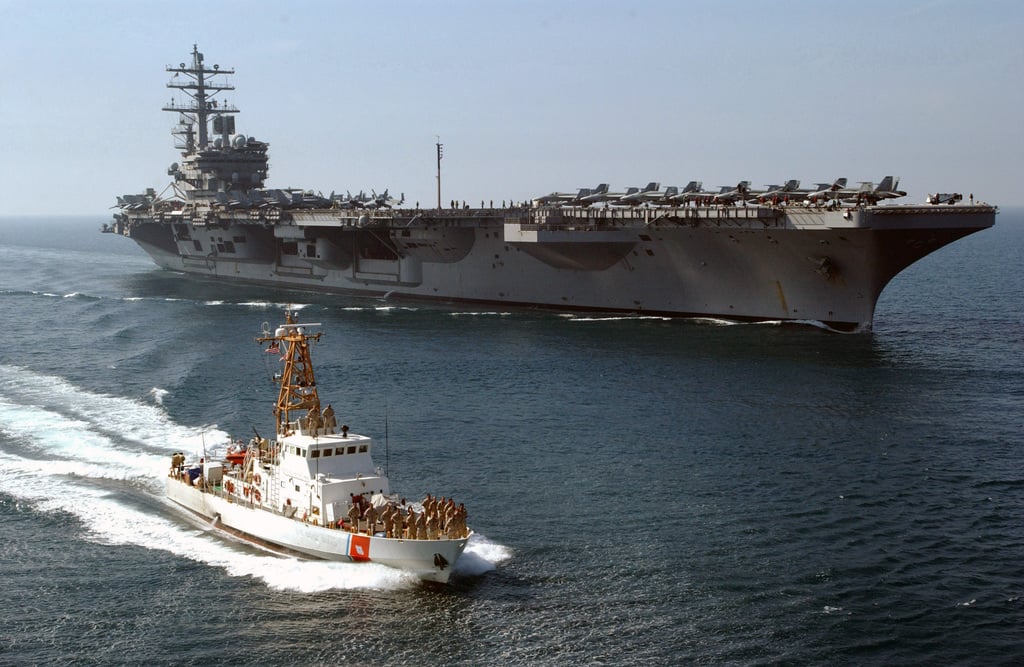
x,y
643,491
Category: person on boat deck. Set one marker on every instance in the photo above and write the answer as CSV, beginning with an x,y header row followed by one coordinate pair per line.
x,y
370,514
329,422
313,421
410,524
353,514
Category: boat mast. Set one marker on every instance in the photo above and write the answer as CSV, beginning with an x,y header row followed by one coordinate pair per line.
x,y
298,385
199,84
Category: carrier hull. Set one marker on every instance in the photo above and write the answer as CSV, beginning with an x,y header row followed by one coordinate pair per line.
x,y
761,263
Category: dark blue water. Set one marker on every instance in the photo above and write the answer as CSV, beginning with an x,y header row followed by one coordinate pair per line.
x,y
644,491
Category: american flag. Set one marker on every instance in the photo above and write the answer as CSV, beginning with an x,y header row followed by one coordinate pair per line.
x,y
273,349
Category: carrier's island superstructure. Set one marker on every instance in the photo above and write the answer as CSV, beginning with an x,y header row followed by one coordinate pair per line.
x,y
783,253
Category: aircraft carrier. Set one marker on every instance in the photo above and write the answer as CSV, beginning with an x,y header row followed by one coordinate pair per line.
x,y
782,253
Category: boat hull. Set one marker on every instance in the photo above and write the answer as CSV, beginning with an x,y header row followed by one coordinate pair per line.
x,y
430,560
758,264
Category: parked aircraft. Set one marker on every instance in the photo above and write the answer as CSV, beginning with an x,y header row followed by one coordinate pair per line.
x,y
867,193
945,198
731,195
691,192
567,198
635,196
826,191
790,190
887,189
383,200
667,196
597,195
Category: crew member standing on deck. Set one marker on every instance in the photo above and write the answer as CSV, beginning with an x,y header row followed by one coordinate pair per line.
x,y
313,421
410,524
371,518
329,422
353,516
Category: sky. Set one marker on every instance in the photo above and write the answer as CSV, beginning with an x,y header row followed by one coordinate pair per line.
x,y
527,97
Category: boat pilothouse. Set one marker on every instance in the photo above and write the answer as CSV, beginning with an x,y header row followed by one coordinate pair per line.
x,y
314,489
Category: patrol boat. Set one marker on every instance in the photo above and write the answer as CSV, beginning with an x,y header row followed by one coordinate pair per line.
x,y
314,490
784,253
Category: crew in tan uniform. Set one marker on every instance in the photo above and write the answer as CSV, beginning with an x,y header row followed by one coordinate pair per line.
x,y
353,516
410,525
421,526
371,518
313,421
327,420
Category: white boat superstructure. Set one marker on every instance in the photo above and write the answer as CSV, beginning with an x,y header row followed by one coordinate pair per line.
x,y
314,490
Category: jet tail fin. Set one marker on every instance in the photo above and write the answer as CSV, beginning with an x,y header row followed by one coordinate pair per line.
x,y
888,184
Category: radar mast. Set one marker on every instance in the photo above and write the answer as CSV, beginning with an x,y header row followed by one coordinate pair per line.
x,y
200,84
298,384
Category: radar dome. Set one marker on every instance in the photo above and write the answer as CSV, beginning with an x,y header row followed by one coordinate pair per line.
x,y
239,141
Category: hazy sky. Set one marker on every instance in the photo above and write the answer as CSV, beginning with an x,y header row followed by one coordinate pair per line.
x,y
528,97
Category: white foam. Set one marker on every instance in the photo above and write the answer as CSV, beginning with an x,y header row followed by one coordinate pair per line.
x,y
133,420
481,555
158,395
618,318
482,313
